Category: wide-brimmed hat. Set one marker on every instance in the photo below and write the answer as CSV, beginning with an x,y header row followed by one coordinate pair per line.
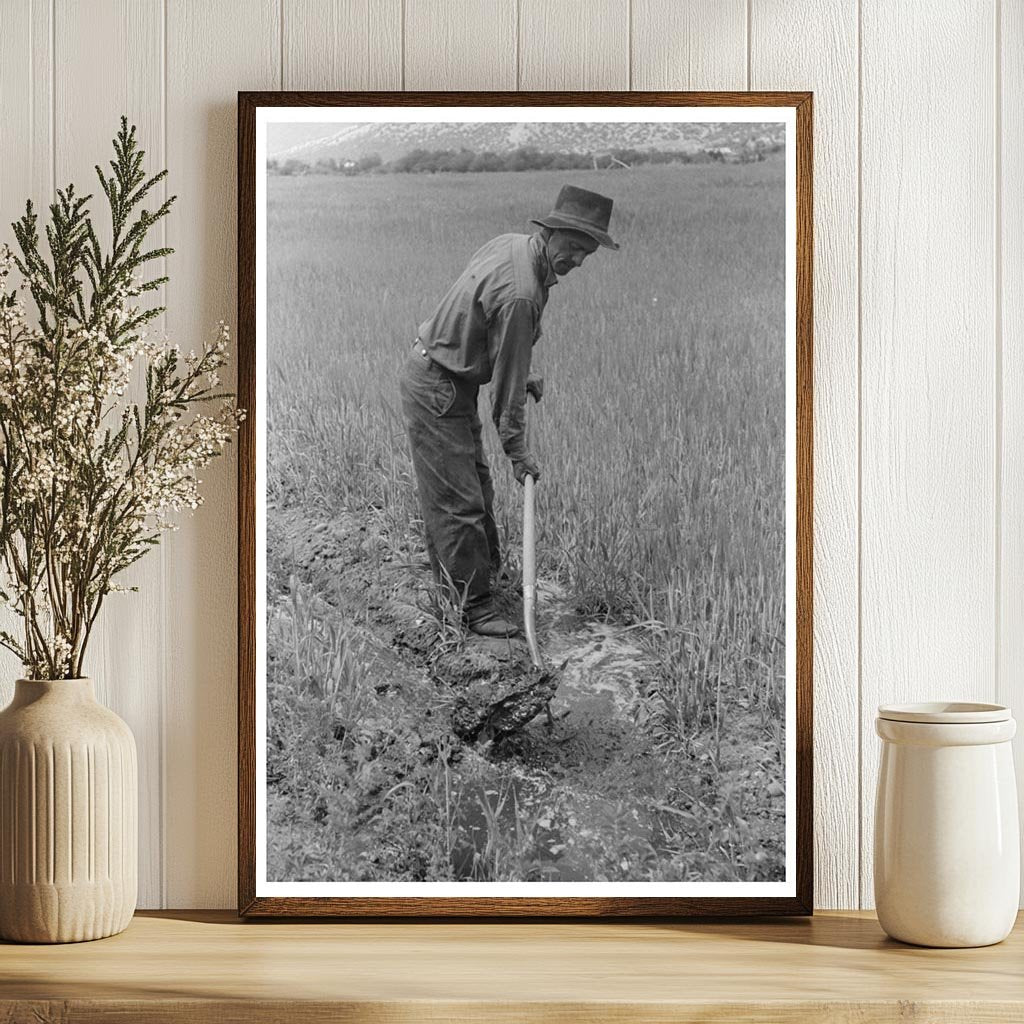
x,y
576,209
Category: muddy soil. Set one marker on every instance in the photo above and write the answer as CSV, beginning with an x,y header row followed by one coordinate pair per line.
x,y
582,765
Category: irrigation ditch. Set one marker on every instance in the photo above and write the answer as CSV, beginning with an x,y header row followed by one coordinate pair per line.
x,y
400,748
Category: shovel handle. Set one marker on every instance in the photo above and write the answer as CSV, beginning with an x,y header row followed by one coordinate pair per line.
x,y
530,566
530,572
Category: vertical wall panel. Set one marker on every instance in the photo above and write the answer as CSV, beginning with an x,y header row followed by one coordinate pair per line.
x,y
1011,242
213,51
466,45
781,59
16,185
26,172
342,44
691,44
125,654
928,363
574,44
26,108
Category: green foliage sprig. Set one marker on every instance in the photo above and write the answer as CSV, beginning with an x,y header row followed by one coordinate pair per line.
x,y
88,477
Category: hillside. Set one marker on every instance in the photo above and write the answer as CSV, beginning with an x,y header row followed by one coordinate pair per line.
x,y
394,139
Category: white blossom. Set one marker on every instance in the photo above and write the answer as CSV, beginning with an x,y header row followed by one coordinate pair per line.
x,y
87,481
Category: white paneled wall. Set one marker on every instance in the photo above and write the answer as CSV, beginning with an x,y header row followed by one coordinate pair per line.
x,y
829,68
919,326
1009,261
928,515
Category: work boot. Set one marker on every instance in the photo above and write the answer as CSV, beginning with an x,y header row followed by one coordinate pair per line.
x,y
492,625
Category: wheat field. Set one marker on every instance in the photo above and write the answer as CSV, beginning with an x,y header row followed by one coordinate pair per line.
x,y
661,435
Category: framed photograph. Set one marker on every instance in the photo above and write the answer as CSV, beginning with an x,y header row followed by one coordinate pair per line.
x,y
525,493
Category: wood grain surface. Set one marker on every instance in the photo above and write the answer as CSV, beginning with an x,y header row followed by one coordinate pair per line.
x,y
576,44
701,44
209,967
26,131
213,51
928,367
129,669
779,57
347,44
468,45
1010,368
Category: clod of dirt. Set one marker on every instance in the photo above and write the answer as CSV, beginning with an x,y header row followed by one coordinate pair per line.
x,y
490,685
481,715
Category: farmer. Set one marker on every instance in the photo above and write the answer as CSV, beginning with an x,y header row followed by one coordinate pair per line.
x,y
484,331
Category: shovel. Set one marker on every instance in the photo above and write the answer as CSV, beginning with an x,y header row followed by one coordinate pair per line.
x,y
530,574
547,679
519,707
530,571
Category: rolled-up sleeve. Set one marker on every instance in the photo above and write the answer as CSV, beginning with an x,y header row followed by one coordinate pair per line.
x,y
511,336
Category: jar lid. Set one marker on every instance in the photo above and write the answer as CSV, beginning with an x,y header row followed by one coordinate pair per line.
x,y
945,713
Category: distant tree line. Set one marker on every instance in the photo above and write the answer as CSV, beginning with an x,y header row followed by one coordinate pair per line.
x,y
524,158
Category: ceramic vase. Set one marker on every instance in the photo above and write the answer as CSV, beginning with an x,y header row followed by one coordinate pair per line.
x,y
68,815
947,847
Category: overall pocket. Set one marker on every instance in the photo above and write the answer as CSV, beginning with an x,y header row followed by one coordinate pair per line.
x,y
429,386
442,396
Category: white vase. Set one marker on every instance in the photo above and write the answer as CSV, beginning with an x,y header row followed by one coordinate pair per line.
x,y
68,815
947,846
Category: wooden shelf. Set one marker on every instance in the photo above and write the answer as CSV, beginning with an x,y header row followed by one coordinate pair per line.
x,y
202,967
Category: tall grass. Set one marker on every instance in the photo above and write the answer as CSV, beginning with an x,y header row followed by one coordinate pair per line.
x,y
661,433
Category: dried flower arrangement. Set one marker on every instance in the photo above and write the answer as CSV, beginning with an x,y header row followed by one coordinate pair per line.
x,y
89,477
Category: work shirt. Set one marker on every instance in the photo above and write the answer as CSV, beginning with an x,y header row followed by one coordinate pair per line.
x,y
483,331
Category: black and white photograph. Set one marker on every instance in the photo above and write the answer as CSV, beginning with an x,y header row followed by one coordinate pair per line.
x,y
525,481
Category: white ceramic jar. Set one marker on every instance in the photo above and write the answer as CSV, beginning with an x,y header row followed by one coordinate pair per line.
x,y
947,846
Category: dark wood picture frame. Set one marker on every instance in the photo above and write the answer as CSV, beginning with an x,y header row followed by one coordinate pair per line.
x,y
611,907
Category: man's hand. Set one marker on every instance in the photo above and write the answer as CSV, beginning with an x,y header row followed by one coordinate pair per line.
x,y
527,466
535,386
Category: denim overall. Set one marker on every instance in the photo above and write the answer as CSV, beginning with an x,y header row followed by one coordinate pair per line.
x,y
453,480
